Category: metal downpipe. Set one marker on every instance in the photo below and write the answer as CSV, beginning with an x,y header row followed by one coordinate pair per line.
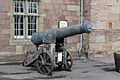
x,y
81,35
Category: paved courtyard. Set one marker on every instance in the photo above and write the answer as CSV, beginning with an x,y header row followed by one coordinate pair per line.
x,y
81,70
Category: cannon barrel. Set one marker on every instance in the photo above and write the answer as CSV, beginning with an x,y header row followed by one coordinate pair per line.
x,y
51,36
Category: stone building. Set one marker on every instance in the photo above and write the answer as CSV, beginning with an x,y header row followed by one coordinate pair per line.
x,y
19,19
105,17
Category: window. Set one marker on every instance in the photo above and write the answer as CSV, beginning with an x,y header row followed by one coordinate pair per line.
x,y
25,18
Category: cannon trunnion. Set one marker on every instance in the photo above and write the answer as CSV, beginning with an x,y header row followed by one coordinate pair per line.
x,y
50,51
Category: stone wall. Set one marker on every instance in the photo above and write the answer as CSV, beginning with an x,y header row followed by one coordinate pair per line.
x,y
104,15
57,10
5,29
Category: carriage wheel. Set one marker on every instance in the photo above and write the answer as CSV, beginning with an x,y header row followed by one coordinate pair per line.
x,y
44,63
69,62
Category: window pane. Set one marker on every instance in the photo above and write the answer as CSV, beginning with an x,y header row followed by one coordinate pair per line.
x,y
18,25
33,31
32,24
29,32
16,32
21,32
32,6
19,6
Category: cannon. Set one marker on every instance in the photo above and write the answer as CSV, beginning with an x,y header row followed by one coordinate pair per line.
x,y
51,52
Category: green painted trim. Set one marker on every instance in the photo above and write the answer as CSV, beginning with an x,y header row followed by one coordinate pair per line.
x,y
116,52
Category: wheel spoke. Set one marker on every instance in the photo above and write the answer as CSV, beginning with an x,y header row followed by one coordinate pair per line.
x,y
48,64
47,68
47,59
43,70
40,57
39,62
43,56
40,67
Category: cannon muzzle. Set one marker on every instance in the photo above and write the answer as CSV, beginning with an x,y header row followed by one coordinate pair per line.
x,y
51,36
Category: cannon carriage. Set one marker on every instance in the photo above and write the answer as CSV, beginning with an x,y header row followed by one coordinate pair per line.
x,y
50,51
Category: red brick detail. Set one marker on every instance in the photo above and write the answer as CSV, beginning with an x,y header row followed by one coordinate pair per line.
x,y
7,48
